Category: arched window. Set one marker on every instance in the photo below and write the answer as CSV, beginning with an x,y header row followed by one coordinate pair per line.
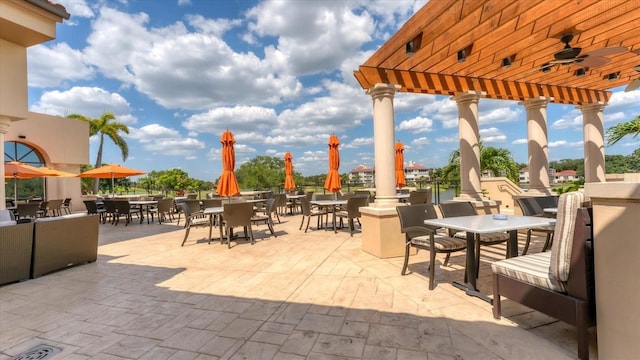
x,y
26,188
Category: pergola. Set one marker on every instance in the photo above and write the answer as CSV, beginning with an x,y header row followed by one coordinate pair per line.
x,y
512,50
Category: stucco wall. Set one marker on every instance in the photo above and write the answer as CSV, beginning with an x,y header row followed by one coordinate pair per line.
x,y
64,144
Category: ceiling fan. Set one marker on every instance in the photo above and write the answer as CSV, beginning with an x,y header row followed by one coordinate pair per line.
x,y
570,55
635,83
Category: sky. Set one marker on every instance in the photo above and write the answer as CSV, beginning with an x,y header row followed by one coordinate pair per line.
x,y
278,74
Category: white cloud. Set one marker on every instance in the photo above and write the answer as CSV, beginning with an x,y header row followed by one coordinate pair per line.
x,y
447,139
160,139
53,66
520,141
358,142
492,135
91,102
416,125
420,142
239,119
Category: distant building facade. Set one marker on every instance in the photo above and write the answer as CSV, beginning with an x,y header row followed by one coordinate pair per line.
x,y
556,177
365,175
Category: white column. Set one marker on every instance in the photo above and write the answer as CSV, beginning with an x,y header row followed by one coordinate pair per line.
x,y
4,128
469,136
537,144
593,130
383,140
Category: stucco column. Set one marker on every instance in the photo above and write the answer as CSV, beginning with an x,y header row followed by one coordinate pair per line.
x,y
537,140
384,141
593,130
4,128
469,135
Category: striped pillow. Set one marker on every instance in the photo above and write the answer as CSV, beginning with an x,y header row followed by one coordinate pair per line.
x,y
568,205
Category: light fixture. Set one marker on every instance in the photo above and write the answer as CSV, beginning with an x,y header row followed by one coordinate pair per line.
x,y
506,62
579,72
462,56
410,48
613,76
22,136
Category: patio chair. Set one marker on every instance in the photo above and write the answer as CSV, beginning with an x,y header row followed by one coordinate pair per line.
x,y
265,217
92,208
163,209
194,206
465,208
194,219
124,209
559,283
308,212
421,236
531,207
54,207
66,206
43,208
281,204
109,210
420,197
27,211
237,214
352,211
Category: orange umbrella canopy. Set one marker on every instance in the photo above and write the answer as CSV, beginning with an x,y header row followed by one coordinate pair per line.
x,y
289,183
228,183
18,170
110,171
400,180
332,183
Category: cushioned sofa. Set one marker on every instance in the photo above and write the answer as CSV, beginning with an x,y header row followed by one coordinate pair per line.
x,y
16,242
63,241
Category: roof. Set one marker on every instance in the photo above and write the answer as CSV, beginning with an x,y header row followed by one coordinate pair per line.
x,y
51,7
566,173
362,168
423,55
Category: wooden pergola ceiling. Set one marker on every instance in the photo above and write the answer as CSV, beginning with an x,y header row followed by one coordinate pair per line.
x,y
528,33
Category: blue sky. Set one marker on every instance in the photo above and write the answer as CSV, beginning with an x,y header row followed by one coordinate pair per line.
x,y
278,74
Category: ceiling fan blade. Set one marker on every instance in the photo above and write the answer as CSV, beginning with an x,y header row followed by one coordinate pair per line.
x,y
562,61
592,61
535,70
634,85
607,51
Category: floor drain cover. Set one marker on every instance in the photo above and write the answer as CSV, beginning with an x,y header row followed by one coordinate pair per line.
x,y
39,352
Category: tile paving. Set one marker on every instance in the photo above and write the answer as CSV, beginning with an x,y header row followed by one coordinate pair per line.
x,y
298,296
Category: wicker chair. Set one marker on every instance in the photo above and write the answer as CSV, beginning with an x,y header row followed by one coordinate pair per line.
x,y
266,217
308,212
352,211
194,219
420,236
237,214
531,207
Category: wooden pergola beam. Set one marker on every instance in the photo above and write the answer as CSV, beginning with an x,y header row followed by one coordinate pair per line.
x,y
444,84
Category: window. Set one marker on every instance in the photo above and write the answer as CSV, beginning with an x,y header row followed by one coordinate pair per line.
x,y
25,188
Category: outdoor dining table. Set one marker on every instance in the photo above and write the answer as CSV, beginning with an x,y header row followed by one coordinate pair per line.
x,y
483,224
333,204
211,212
143,204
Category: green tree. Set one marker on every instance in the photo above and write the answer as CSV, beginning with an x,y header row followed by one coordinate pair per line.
x,y
617,132
107,125
261,172
173,180
499,161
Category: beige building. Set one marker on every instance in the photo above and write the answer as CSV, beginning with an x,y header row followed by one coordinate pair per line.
x,y
56,142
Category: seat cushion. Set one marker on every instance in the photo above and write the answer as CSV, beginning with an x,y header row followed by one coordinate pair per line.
x,y
562,247
488,237
441,243
531,269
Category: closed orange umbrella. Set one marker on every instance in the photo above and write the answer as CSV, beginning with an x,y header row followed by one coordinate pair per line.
x,y
228,183
332,183
289,183
400,180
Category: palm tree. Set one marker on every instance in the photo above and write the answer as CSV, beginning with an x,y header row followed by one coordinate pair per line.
x,y
617,132
498,161
105,125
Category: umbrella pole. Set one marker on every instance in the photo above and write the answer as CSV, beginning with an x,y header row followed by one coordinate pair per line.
x,y
15,190
113,187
